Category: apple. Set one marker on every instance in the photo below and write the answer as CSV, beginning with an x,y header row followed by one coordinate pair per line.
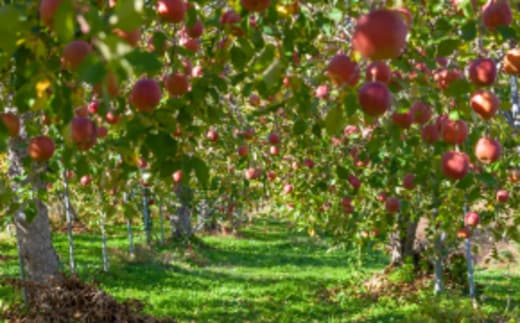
x,y
81,111
191,44
403,120
273,138
11,123
145,95
131,37
378,71
254,100
176,84
381,197
48,9
255,5
392,204
485,104
455,165
514,175
142,163
177,176
287,188
274,150
502,196
342,70
109,83
482,72
271,175
350,129
409,181
430,134
511,62
444,77
472,219
375,98
93,106
251,173
454,131
196,30
421,112
463,233
102,132
354,181
488,150
380,34
243,151
172,11
112,118
321,92
83,133
496,13
85,180
308,162
232,19
75,53
41,148
212,135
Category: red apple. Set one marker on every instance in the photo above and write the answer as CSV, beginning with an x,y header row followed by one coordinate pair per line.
x,y
482,71
511,62
308,162
41,148
212,135
381,197
463,233
403,120
342,70
430,134
172,11
496,13
287,188
176,84
81,111
354,181
102,132
472,219
375,98
145,95
455,165
196,30
381,34
48,10
177,176
392,205
271,175
321,92
485,104
131,37
378,71
254,100
112,118
85,180
243,151
273,138
454,132
11,123
502,196
93,106
274,150
83,133
142,163
409,181
75,53
444,77
421,112
488,150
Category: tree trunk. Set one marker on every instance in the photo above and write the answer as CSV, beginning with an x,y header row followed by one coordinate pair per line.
x,y
68,217
183,220
402,241
34,236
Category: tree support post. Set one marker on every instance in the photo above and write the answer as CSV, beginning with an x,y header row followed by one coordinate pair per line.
x,y
68,216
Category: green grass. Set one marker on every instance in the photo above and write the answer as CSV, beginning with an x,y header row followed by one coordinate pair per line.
x,y
266,274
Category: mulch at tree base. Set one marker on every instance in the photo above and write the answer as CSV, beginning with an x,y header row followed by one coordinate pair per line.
x,y
71,300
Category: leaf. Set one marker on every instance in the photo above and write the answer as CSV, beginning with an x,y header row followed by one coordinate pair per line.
x,y
64,21
201,170
342,172
447,46
299,127
335,15
129,14
507,32
10,26
144,62
334,121
238,57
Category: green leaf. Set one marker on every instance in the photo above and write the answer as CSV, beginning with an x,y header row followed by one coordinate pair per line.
x,y
335,14
129,14
299,127
10,26
144,62
447,46
64,21
342,172
201,170
507,32
238,57
334,121
469,30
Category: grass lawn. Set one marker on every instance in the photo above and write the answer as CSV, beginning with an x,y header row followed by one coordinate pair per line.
x,y
266,274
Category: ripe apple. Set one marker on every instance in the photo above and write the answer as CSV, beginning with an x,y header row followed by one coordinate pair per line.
x,y
171,10
409,181
354,181
455,165
342,70
75,53
255,5
142,163
102,132
514,175
85,180
454,131
444,77
378,71
488,150
177,176
502,196
48,10
375,98
131,37
232,19
287,188
41,148
321,92
176,84
271,175
511,62
430,134
93,106
346,201
145,95
83,133
11,123
403,120
81,111
496,13
381,34
485,104
243,151
381,197
392,204
112,118
251,173
421,112
472,219
254,100
482,71
463,233
308,162
212,135
109,83
273,138
350,129
274,150
196,30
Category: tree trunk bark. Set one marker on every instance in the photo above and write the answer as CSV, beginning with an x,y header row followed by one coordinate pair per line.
x,y
402,241
183,221
34,236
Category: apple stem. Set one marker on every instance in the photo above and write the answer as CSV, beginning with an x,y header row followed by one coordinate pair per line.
x,y
68,217
469,260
